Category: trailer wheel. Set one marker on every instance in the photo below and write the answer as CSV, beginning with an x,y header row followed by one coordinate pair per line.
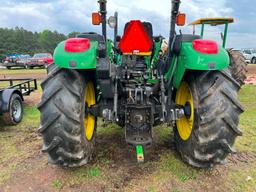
x,y
205,136
67,128
15,114
237,66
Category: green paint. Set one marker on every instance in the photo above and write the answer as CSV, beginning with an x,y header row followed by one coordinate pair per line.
x,y
189,59
140,153
139,150
202,31
83,60
153,81
225,35
169,72
198,61
156,53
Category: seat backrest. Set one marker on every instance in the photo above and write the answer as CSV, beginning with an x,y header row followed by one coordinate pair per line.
x,y
183,38
92,36
96,37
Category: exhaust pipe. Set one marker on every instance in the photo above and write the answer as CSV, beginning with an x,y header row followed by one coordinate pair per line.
x,y
174,13
103,12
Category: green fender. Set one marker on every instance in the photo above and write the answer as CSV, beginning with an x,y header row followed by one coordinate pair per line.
x,y
82,60
189,59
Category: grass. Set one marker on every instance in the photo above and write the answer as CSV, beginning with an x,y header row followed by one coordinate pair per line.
x,y
57,184
114,167
13,146
246,144
248,119
18,71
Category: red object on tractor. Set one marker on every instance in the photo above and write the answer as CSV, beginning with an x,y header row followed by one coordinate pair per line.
x,y
76,45
135,39
205,46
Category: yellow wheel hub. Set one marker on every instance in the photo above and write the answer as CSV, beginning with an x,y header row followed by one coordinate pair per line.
x,y
89,120
185,124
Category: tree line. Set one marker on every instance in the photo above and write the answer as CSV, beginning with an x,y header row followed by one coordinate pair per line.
x,y
21,41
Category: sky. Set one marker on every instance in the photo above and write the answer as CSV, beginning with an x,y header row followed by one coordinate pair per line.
x,y
66,16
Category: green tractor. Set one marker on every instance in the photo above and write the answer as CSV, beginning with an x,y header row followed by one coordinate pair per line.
x,y
138,81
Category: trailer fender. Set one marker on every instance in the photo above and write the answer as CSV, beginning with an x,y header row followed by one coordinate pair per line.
x,y
5,97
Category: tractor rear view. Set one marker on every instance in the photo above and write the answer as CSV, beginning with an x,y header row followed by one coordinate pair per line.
x,y
136,82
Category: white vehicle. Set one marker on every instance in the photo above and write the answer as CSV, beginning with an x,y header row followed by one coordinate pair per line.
x,y
250,55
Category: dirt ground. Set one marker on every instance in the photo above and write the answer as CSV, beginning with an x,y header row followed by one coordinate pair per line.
x,y
252,69
38,74
23,167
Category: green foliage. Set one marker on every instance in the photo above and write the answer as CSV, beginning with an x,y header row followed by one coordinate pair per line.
x,y
57,184
19,40
73,34
49,40
93,172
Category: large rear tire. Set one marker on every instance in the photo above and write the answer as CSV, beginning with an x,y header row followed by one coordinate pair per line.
x,y
64,121
237,66
207,136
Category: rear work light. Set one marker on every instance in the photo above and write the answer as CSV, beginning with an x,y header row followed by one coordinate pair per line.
x,y
49,61
76,45
205,46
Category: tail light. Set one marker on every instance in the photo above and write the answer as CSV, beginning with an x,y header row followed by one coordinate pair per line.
x,y
76,45
205,46
49,61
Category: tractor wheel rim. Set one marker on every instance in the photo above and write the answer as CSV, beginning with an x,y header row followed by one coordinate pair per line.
x,y
16,110
89,120
185,124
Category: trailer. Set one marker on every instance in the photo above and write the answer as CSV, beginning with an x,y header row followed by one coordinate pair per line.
x,y
12,92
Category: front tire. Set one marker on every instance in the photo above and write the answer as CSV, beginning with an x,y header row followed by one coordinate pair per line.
x,y
63,118
214,126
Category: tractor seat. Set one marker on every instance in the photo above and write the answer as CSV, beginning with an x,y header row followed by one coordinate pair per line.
x,y
96,37
183,38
